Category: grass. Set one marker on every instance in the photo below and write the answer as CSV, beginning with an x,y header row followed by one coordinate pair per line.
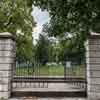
x,y
50,71
2,98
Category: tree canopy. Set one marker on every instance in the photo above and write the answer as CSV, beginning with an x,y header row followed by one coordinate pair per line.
x,y
16,15
72,16
16,18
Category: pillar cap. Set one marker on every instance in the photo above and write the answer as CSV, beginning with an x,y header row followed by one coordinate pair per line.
x,y
6,35
95,35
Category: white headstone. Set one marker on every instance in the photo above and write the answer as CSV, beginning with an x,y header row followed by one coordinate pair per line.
x,y
68,64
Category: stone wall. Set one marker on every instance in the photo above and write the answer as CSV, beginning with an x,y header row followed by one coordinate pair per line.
x,y
7,46
93,67
7,57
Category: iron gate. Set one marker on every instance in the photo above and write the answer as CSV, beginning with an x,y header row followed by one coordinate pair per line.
x,y
33,78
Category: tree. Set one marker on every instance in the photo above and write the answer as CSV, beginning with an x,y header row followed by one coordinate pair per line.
x,y
77,17
42,49
72,49
55,51
16,15
24,48
16,18
73,16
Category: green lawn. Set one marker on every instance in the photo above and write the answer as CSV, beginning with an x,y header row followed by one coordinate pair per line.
x,y
50,71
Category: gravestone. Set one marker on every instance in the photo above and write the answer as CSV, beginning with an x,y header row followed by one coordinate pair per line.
x,y
68,64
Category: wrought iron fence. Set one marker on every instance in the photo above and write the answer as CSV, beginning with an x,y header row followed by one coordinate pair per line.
x,y
52,76
51,69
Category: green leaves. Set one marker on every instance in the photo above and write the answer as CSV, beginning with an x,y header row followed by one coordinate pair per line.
x,y
24,48
42,49
71,15
16,15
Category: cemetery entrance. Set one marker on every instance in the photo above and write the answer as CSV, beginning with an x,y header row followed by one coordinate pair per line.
x,y
49,75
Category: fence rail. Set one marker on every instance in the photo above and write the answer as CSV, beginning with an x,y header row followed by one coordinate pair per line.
x,y
58,78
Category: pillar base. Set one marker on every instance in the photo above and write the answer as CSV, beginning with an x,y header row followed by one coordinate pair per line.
x,y
5,95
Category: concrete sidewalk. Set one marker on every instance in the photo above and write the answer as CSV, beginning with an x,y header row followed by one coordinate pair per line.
x,y
37,98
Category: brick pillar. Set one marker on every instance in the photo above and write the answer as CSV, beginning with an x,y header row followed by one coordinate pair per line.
x,y
93,67
6,63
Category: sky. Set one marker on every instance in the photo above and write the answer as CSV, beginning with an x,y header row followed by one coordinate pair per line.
x,y
41,17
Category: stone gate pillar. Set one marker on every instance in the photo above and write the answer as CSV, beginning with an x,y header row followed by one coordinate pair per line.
x,y
93,67
7,46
